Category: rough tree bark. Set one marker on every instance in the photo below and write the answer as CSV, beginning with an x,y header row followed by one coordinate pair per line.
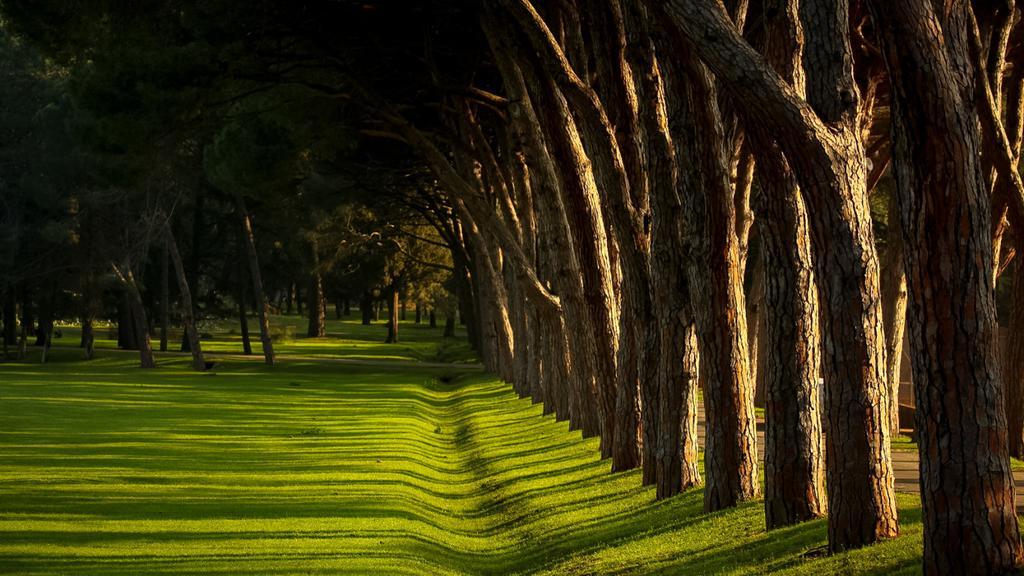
x,y
794,454
967,492
823,146
894,312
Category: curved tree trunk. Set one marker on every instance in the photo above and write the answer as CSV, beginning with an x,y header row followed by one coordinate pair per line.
x,y
822,144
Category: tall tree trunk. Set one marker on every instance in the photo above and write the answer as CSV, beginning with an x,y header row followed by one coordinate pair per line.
x,y
791,341
1013,364
317,300
894,312
165,296
581,347
185,293
794,452
261,304
393,306
716,295
967,490
243,322
419,312
242,296
196,254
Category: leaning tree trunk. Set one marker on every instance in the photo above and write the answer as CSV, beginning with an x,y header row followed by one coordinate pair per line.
x,y
820,138
967,490
137,314
262,306
185,293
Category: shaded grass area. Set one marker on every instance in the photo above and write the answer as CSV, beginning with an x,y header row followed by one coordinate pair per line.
x,y
346,339
319,468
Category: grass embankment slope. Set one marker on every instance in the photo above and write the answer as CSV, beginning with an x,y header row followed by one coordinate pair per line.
x,y
316,467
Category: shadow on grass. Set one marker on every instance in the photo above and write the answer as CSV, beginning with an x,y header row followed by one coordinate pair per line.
x,y
316,468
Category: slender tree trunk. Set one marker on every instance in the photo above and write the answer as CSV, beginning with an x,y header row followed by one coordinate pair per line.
x,y
243,321
1013,364
894,312
393,306
185,293
165,296
433,318
967,490
317,301
419,313
261,304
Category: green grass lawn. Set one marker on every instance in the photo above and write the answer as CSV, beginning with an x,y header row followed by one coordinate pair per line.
x,y
316,467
